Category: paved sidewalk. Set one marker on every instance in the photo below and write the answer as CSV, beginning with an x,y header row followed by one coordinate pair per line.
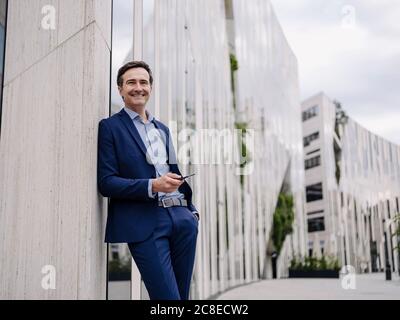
x,y
368,287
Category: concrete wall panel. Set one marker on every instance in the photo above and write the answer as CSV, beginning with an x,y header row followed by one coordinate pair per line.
x,y
50,210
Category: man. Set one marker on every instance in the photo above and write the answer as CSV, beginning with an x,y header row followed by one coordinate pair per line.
x,y
150,204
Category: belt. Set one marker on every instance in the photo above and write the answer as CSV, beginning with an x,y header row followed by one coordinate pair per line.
x,y
172,202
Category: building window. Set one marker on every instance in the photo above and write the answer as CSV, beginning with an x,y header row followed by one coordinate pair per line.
x,y
315,212
314,192
312,162
307,140
314,151
310,113
316,224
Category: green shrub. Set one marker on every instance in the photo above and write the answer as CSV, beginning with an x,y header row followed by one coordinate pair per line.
x,y
118,265
282,220
313,263
396,220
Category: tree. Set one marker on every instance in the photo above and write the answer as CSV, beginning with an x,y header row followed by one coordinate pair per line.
x,y
341,120
396,220
282,220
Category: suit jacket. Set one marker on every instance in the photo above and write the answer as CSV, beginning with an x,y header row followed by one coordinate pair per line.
x,y
123,174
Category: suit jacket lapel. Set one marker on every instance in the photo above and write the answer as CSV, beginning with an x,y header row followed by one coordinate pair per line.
x,y
132,130
126,119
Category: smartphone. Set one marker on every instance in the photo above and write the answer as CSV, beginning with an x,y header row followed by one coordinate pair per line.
x,y
190,175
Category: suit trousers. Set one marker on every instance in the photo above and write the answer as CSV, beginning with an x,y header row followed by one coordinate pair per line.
x,y
165,260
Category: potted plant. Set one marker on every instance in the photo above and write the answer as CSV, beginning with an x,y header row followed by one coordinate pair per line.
x,y
314,267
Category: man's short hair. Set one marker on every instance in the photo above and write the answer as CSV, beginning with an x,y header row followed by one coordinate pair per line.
x,y
132,65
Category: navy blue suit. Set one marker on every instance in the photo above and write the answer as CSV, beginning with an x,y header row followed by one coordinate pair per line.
x,y
136,219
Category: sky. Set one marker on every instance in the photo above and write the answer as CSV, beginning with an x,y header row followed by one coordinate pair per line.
x,y
351,51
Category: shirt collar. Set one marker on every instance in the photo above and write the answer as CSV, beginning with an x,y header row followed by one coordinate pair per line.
x,y
133,115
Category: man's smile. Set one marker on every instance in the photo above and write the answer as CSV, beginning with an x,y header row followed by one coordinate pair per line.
x,y
138,95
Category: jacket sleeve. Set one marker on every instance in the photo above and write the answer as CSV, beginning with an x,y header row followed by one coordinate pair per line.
x,y
109,182
193,209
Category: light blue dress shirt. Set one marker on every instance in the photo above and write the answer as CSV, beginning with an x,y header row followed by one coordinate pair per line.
x,y
156,150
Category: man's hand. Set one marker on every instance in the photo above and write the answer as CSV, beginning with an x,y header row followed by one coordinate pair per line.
x,y
167,183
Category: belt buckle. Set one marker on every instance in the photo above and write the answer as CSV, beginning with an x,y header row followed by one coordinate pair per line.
x,y
167,203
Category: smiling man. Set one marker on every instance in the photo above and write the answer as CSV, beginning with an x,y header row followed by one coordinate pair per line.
x,y
150,205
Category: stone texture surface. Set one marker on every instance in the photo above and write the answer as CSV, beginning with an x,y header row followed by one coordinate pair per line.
x,y
56,90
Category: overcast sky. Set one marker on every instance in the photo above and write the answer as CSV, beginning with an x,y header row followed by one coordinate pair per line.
x,y
354,58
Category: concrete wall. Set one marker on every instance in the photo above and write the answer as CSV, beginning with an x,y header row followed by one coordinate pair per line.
x,y
56,89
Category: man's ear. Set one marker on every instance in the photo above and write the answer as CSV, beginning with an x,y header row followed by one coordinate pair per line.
x,y
120,89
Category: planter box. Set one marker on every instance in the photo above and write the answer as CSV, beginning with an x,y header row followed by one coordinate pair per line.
x,y
313,273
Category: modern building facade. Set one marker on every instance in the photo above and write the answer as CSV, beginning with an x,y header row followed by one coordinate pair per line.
x,y
318,118
267,99
352,189
51,214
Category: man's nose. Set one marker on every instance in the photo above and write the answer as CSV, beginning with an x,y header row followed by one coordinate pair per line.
x,y
137,87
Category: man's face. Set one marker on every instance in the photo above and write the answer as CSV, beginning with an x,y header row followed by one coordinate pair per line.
x,y
136,88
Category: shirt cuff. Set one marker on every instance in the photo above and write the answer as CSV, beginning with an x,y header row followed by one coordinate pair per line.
x,y
150,191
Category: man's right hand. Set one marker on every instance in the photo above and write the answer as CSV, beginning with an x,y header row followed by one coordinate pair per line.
x,y
167,183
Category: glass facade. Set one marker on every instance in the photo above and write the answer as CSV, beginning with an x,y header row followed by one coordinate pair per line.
x,y
370,184
266,97
198,93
